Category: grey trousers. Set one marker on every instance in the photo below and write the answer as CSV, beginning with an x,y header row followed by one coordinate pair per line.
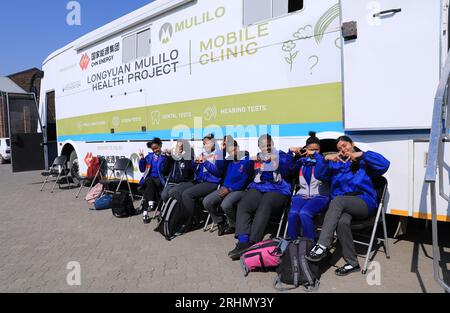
x,y
175,191
338,218
255,210
217,206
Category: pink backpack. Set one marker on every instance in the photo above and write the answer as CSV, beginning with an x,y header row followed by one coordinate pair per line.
x,y
95,193
263,256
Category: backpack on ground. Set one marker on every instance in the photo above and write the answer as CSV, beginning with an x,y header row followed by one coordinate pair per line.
x,y
122,205
295,270
93,169
171,219
103,203
95,193
263,256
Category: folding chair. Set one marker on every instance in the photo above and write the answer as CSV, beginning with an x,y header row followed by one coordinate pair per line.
x,y
121,167
286,210
98,174
205,228
380,184
160,201
59,170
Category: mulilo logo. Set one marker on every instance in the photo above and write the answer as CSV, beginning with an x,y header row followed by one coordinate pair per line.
x,y
165,34
84,62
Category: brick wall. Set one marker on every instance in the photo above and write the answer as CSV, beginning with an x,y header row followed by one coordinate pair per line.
x,y
23,79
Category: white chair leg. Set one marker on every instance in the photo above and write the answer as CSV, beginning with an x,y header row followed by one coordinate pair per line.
x,y
205,228
45,182
280,224
79,189
386,240
155,214
56,182
372,238
286,229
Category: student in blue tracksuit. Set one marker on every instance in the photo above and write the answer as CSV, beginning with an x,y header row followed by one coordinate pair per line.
x,y
267,195
313,195
353,197
208,168
152,182
238,174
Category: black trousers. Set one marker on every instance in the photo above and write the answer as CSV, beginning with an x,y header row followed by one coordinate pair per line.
x,y
152,191
255,210
191,195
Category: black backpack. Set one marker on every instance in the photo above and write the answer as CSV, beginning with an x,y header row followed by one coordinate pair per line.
x,y
296,270
171,219
122,205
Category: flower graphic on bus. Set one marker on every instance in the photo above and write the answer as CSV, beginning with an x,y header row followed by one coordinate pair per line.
x,y
84,62
288,47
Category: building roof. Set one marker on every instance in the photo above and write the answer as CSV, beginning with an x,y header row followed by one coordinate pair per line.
x,y
34,69
7,85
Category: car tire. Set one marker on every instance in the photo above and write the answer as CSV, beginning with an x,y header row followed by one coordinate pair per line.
x,y
74,168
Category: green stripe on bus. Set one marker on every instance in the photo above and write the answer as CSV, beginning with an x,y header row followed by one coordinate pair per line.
x,y
312,104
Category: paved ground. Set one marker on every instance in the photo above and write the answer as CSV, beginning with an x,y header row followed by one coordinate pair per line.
x,y
41,233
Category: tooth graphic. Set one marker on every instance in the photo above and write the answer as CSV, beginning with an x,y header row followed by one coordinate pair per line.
x,y
156,117
135,160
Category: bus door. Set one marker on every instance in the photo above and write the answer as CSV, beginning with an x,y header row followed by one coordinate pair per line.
x,y
25,130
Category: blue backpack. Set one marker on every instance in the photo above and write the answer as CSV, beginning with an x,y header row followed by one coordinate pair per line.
x,y
103,203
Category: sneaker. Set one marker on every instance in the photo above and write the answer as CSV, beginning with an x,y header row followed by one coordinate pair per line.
x,y
316,254
241,247
347,269
147,219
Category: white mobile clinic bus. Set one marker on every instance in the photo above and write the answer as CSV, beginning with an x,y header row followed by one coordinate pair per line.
x,y
366,68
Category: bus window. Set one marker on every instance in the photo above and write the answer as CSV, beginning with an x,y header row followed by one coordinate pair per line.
x,y
143,44
136,46
295,5
258,10
129,48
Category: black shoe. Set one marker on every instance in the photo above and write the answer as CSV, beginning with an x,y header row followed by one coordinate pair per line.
x,y
221,227
347,269
229,230
147,219
314,257
240,248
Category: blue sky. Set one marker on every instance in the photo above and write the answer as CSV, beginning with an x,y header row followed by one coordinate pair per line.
x,y
32,29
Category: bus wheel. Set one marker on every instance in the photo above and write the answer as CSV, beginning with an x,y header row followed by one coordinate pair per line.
x,y
74,167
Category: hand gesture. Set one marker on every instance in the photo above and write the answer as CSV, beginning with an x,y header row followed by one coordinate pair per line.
x,y
353,156
141,153
295,150
336,157
200,159
167,152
